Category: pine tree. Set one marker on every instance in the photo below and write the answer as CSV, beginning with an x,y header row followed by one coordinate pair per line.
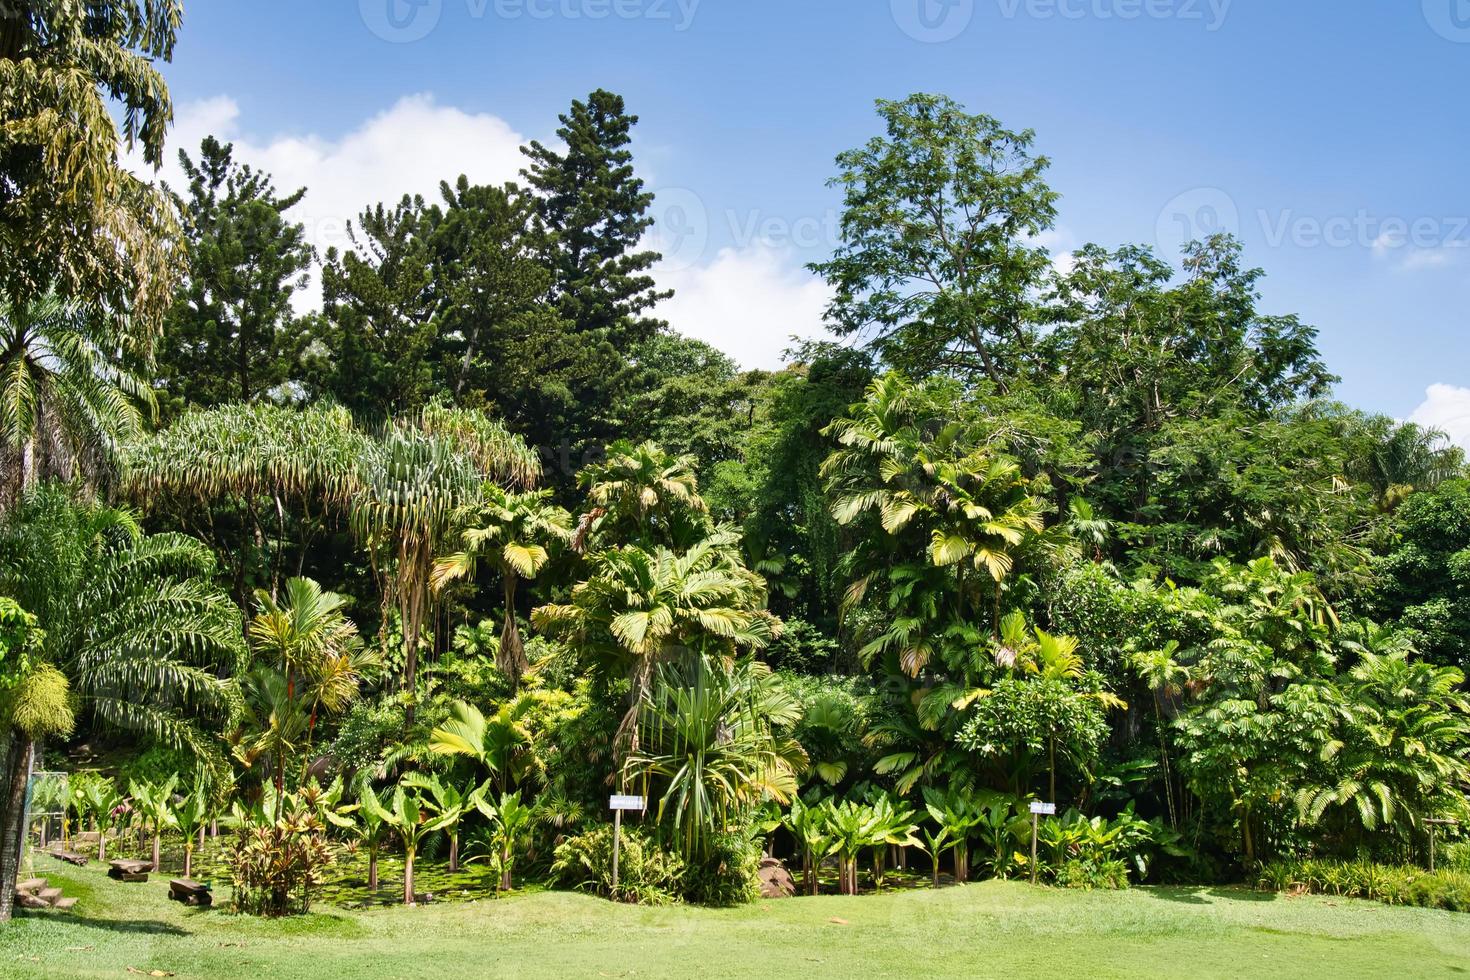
x,y
232,334
592,215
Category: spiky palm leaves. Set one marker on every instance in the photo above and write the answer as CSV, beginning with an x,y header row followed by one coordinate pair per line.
x,y
640,608
708,742
401,490
132,619
65,404
511,530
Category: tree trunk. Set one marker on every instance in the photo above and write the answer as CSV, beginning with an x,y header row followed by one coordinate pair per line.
x,y
157,849
101,843
453,853
1250,846
505,882
12,818
373,869
408,876
512,650
188,860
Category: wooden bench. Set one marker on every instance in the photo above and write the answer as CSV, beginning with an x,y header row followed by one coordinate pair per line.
x,y
129,870
70,857
190,892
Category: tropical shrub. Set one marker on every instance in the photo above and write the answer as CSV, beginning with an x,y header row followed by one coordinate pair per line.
x,y
1392,885
726,873
647,874
278,855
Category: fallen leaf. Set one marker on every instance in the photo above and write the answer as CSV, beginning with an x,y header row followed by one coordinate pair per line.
x,y
840,922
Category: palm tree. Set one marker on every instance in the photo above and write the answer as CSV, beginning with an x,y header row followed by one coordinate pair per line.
x,y
316,646
640,608
1399,755
132,620
367,828
511,530
413,484
921,472
271,725
643,495
65,404
191,814
509,820
708,741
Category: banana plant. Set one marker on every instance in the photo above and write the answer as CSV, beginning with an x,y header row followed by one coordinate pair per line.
x,y
895,827
408,818
509,820
154,803
852,827
449,803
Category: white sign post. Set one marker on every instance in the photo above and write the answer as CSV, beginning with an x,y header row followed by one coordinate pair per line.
x,y
1037,811
619,803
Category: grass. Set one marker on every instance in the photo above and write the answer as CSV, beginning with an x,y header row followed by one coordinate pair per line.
x,y
985,929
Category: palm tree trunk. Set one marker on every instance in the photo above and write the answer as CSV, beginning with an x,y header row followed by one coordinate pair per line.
x,y
101,842
505,882
157,848
454,852
12,818
408,875
373,869
189,857
512,650
1051,761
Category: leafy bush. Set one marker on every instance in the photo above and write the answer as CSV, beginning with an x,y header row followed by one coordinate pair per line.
x,y
728,874
647,875
1087,875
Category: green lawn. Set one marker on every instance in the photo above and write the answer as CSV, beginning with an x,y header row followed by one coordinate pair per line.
x,y
979,930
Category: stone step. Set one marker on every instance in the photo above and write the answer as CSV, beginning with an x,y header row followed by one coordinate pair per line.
x,y
63,903
28,901
30,885
49,895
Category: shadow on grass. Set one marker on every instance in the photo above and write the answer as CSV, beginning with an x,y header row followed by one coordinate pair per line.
x,y
1207,895
136,926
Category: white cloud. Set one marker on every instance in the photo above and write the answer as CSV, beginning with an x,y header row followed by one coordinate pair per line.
x,y
1447,408
748,302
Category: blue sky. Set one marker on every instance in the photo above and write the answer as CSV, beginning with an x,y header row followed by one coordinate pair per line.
x,y
1332,136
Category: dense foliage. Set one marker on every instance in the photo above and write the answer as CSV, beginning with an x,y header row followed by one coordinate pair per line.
x,y
482,540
